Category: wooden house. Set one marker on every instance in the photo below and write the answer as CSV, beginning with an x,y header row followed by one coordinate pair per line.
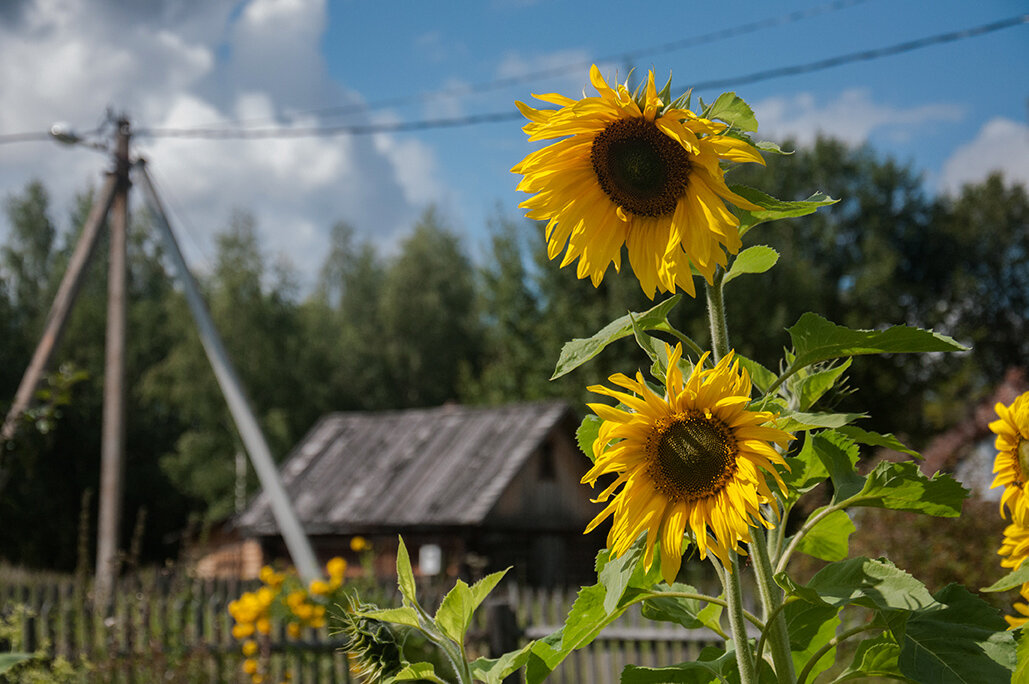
x,y
471,489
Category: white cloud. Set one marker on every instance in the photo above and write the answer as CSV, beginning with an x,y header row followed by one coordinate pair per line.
x,y
193,63
570,82
852,117
1001,145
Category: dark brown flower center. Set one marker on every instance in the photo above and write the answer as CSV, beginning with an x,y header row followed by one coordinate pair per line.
x,y
694,457
640,168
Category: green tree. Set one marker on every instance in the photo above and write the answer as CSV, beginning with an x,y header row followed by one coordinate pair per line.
x,y
429,323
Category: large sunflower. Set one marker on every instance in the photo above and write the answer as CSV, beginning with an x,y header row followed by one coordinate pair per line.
x,y
1016,621
1012,462
695,459
632,171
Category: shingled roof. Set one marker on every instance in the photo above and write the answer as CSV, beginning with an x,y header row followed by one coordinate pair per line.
x,y
444,467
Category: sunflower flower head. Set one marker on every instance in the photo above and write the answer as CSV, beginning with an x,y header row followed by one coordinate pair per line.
x,y
629,169
372,647
1012,462
694,460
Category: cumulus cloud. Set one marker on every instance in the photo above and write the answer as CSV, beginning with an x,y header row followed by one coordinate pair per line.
x,y
194,63
1001,145
852,117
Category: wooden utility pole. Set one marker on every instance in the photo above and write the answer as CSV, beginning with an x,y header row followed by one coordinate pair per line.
x,y
112,449
67,291
113,205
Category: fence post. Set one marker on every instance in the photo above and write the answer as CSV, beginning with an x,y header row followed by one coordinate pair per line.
x,y
503,633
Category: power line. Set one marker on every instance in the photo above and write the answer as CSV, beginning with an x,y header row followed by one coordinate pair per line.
x,y
494,117
865,55
315,131
33,136
366,129
568,67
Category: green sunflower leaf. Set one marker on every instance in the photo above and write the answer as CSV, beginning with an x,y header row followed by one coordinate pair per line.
x,y
1022,656
690,613
756,259
413,672
810,387
870,438
626,572
585,621
769,146
875,584
9,660
960,639
713,666
455,612
587,432
773,209
759,375
405,576
495,670
839,456
806,470
580,350
874,658
653,347
398,616
810,628
829,538
621,580
798,421
816,339
903,487
1012,580
730,108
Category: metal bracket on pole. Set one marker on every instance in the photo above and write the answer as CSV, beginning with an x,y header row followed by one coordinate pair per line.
x,y
297,543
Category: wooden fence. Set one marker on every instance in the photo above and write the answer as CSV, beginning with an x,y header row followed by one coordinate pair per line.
x,y
175,629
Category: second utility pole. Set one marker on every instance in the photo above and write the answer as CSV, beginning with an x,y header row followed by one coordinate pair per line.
x,y
112,450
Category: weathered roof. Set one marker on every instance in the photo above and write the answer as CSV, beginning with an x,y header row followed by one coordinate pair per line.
x,y
444,466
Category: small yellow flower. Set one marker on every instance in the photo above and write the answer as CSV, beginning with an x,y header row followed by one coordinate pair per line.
x,y
250,666
295,598
336,567
293,630
320,587
265,596
304,611
243,630
249,647
359,544
270,577
264,625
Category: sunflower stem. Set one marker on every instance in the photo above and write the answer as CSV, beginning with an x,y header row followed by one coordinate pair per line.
x,y
716,317
771,602
734,598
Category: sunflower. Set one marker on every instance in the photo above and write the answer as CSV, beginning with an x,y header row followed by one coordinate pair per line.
x,y
1015,622
1012,462
1014,547
695,459
632,171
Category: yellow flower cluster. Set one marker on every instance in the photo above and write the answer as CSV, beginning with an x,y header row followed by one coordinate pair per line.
x,y
1012,472
282,596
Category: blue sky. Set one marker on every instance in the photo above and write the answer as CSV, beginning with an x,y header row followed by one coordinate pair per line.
x,y
953,111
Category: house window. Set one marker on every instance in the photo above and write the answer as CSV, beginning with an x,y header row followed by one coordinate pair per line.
x,y
430,559
547,469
